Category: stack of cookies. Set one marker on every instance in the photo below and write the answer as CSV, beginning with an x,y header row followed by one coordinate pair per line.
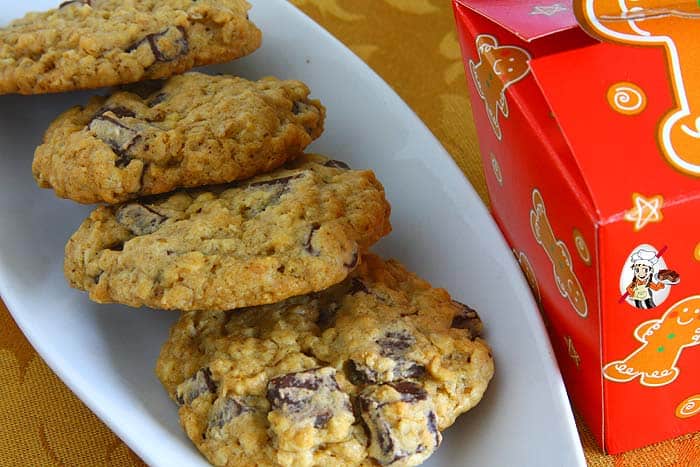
x,y
295,345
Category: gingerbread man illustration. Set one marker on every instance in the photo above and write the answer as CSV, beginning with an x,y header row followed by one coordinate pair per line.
x,y
567,282
674,26
499,67
663,340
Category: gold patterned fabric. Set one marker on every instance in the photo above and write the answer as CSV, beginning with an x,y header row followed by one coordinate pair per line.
x,y
412,44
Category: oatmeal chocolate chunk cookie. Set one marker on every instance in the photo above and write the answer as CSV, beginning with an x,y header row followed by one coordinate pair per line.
x,y
194,130
296,230
86,44
278,384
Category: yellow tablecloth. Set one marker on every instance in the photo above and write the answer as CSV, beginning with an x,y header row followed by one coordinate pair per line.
x,y
413,46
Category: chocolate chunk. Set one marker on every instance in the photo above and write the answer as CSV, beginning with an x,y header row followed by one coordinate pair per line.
x,y
336,164
199,384
71,2
395,343
410,392
359,374
138,218
117,110
353,262
308,396
224,410
357,286
326,315
118,136
467,318
390,438
157,99
283,181
276,188
144,89
307,243
433,427
166,45
280,390
116,247
408,369
322,420
299,107
386,442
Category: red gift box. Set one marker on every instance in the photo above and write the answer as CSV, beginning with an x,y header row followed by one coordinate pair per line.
x,y
588,115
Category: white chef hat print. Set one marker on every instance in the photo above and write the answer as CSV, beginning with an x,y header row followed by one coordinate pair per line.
x,y
645,257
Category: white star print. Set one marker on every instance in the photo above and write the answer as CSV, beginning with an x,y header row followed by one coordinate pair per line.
x,y
645,210
548,10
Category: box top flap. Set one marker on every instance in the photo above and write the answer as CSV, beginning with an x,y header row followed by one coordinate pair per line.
x,y
615,112
527,19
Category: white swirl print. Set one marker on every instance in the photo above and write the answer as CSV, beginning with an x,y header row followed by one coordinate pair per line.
x,y
582,248
627,98
689,407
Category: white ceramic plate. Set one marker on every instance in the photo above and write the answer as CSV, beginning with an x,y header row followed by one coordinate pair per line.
x,y
106,353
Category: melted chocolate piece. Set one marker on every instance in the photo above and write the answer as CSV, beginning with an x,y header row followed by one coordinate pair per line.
x,y
117,110
118,136
395,343
138,218
280,390
322,420
308,247
157,99
224,410
326,315
467,318
157,40
71,2
353,262
433,427
297,106
283,181
359,374
357,286
336,164
388,443
410,392
308,395
144,89
200,383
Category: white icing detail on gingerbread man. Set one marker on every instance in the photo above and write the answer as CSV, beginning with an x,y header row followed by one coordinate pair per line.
x,y
499,68
663,341
566,280
673,26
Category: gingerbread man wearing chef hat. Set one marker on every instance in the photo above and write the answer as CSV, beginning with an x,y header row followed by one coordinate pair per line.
x,y
645,281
